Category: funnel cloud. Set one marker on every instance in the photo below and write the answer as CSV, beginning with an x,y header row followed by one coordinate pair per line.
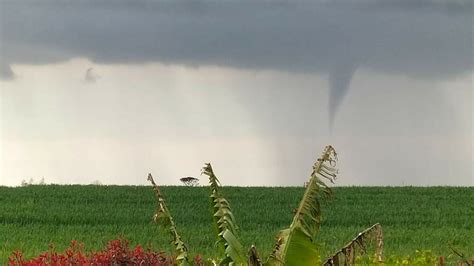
x,y
339,82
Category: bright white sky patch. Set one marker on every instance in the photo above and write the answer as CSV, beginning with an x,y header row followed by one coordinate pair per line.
x,y
256,127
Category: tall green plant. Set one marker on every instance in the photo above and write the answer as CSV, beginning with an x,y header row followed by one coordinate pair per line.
x,y
296,245
224,222
163,218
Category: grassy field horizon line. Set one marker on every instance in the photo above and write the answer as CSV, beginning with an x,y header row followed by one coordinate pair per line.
x,y
231,186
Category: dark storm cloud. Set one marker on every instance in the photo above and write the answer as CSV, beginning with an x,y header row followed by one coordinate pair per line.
x,y
426,39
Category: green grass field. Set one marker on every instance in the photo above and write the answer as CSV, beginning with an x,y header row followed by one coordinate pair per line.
x,y
413,218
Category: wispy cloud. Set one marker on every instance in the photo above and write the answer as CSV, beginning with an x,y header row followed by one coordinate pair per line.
x,y
6,73
91,76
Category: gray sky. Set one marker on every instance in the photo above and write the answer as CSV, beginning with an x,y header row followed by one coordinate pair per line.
x,y
110,91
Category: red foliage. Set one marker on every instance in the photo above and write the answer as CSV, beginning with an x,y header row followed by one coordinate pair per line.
x,y
117,253
198,260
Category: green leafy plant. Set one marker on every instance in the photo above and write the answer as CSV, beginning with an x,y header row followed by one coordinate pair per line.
x,y
295,245
353,251
224,222
163,217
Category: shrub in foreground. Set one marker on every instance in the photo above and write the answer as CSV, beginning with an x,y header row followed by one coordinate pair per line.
x,y
117,252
